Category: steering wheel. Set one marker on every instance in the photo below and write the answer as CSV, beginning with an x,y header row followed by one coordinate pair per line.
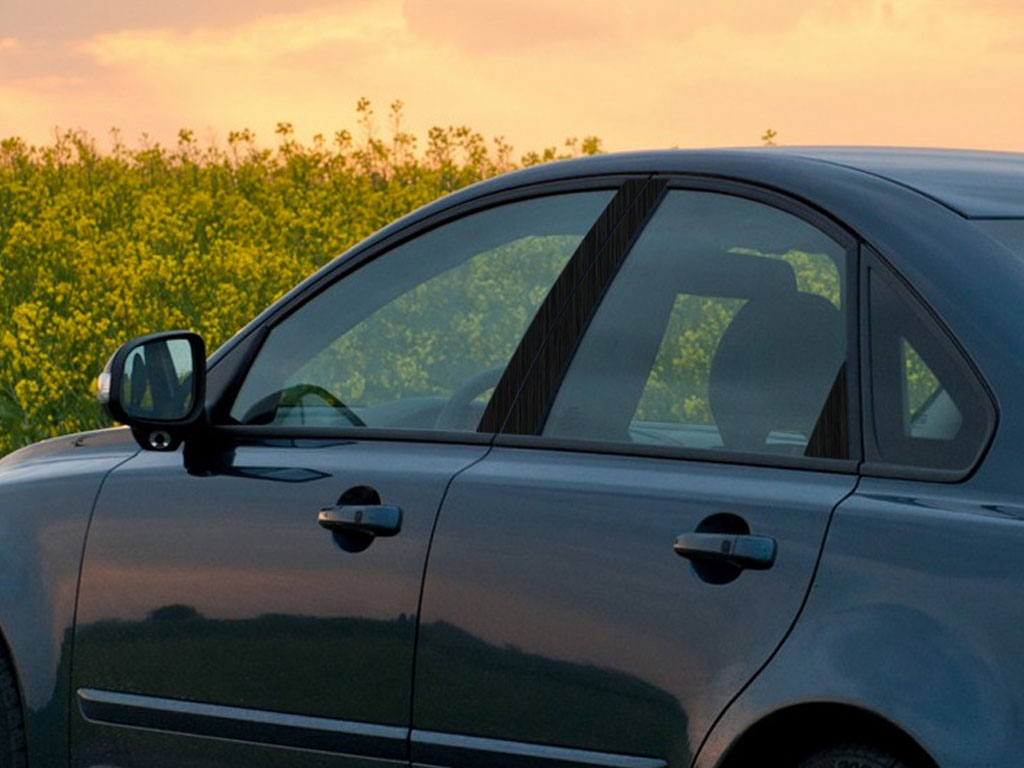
x,y
292,397
459,408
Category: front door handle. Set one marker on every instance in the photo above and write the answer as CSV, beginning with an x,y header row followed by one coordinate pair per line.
x,y
372,519
742,551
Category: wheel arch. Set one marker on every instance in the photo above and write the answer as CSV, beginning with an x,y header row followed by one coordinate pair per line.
x,y
7,658
784,735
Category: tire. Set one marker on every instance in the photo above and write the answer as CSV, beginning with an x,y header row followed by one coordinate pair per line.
x,y
12,724
853,756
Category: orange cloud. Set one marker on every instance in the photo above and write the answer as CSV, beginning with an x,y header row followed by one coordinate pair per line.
x,y
525,25
255,42
997,7
638,74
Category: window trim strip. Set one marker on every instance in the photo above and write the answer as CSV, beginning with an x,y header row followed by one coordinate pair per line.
x,y
708,455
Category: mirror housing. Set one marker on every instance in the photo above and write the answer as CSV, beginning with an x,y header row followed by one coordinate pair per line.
x,y
156,385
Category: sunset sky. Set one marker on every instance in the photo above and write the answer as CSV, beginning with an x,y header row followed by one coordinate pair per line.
x,y
637,73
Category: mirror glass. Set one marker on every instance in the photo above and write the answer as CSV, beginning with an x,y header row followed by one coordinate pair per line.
x,y
158,382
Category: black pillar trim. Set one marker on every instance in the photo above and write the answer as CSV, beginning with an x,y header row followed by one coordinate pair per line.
x,y
543,354
551,308
830,438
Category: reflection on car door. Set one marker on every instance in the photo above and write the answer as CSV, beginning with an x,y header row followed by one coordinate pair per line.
x,y
217,606
604,582
237,609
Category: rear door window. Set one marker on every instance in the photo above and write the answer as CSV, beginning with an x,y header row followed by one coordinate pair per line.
x,y
725,330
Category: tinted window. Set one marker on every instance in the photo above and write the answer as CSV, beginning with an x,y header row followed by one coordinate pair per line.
x,y
724,330
417,338
929,409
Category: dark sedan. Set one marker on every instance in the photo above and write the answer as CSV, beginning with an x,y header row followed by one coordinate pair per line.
x,y
704,459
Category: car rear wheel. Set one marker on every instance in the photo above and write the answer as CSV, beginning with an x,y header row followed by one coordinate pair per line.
x,y
853,756
12,724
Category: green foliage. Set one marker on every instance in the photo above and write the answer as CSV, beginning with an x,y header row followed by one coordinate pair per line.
x,y
921,382
96,248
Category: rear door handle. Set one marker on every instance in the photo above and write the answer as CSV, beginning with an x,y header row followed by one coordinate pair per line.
x,y
372,519
742,551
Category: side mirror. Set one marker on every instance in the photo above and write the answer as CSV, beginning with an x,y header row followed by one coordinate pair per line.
x,y
156,384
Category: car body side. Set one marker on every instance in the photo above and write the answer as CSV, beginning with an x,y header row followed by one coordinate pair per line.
x,y
914,613
915,610
47,492
913,617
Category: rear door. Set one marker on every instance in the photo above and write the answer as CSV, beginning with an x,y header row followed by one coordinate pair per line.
x,y
644,532
233,605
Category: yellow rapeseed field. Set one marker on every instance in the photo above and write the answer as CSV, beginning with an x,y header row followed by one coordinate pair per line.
x,y
99,246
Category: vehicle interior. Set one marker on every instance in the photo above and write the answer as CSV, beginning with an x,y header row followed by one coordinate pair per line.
x,y
760,378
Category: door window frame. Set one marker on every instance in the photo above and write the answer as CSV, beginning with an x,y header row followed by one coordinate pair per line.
x,y
538,389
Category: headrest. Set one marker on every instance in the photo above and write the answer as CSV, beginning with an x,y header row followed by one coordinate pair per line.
x,y
774,368
705,272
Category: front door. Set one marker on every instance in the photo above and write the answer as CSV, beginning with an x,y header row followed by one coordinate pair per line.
x,y
604,582
234,606
217,606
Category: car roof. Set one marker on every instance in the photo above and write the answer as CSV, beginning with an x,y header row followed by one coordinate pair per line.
x,y
974,183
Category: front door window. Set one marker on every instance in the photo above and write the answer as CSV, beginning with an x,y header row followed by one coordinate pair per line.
x,y
417,338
